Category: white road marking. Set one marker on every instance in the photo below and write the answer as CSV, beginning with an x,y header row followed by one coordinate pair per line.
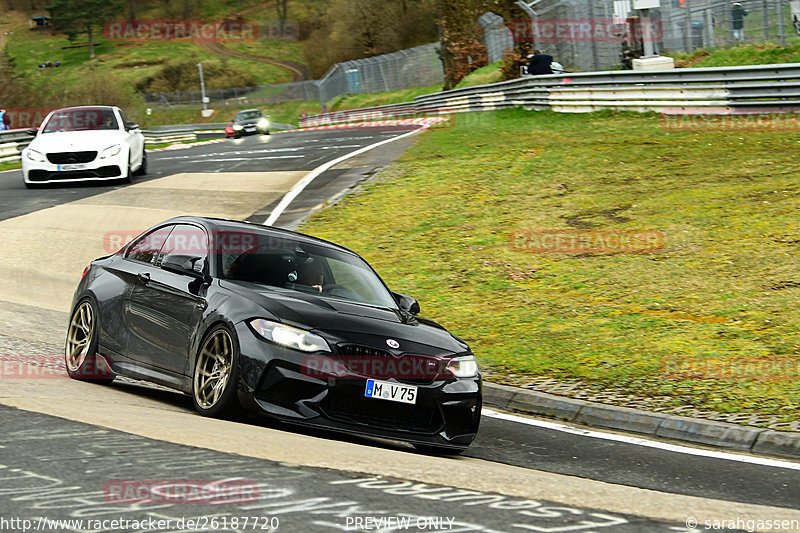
x,y
308,178
11,170
777,463
265,158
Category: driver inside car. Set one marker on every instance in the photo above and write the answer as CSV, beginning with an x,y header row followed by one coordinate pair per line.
x,y
310,273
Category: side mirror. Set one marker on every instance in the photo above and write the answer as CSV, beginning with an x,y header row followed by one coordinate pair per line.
x,y
131,126
193,267
406,303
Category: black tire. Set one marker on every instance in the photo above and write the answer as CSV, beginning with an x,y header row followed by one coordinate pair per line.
x,y
224,401
80,350
430,449
142,170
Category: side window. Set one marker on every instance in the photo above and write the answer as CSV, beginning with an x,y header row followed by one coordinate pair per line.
x,y
146,247
185,246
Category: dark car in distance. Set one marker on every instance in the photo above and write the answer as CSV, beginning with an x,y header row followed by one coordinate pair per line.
x,y
248,122
239,315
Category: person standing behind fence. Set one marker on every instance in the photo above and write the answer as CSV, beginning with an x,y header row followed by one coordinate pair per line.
x,y
539,63
5,120
738,14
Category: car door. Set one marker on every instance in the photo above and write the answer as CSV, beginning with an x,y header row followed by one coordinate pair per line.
x,y
167,305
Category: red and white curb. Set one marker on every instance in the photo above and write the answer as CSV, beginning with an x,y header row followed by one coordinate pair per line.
x,y
181,146
424,121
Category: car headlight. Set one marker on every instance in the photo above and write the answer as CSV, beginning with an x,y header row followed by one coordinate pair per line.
x,y
111,151
33,155
263,124
237,126
463,367
289,336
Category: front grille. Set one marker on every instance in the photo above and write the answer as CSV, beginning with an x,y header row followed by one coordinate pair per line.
x,y
417,370
357,350
64,158
350,407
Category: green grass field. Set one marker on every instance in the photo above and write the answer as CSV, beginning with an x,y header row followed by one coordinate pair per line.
x,y
721,293
745,54
285,50
128,61
482,76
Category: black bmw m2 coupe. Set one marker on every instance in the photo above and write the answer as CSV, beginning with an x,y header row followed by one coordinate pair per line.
x,y
239,315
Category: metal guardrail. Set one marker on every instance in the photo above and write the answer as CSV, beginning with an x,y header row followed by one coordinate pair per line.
x,y
694,91
12,143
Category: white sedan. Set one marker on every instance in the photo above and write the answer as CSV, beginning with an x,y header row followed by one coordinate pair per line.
x,y
89,143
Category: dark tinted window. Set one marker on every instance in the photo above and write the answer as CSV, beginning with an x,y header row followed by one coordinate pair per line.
x,y
185,245
82,119
247,115
146,247
301,266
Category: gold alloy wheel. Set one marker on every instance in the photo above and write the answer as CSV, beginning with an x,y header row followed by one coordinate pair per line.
x,y
213,369
79,337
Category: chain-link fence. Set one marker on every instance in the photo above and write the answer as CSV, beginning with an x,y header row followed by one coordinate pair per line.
x,y
590,35
414,67
496,36
692,24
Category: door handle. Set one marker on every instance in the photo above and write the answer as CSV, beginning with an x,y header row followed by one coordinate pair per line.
x,y
144,277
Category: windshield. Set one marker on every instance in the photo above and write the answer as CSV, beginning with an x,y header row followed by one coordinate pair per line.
x,y
247,115
302,267
83,119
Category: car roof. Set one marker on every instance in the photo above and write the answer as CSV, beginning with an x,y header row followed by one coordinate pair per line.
x,y
224,224
87,107
249,110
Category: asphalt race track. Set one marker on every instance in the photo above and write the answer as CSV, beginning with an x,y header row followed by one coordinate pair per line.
x,y
66,446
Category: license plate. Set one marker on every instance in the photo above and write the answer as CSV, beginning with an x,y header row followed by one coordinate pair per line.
x,y
391,391
75,166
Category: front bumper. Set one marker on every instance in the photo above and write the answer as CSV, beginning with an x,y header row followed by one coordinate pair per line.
x,y
276,381
249,129
96,170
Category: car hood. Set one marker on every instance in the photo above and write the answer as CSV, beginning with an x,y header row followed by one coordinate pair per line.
x,y
76,141
346,322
